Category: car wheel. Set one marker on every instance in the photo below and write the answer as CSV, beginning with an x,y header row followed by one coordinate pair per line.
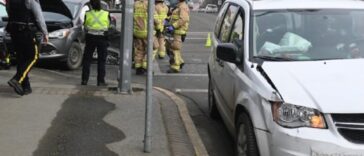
x,y
213,112
74,57
246,144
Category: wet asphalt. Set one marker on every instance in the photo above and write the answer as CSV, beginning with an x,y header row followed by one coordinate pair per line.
x,y
79,129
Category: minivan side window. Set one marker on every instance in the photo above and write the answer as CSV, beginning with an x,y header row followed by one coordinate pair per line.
x,y
237,33
219,20
227,23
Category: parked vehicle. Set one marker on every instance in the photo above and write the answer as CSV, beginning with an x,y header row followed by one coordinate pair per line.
x,y
66,36
286,76
211,8
201,9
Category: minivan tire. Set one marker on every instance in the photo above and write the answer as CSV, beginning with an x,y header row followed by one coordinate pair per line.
x,y
245,144
213,112
74,56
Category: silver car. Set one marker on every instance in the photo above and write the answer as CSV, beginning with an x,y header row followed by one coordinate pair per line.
x,y
287,76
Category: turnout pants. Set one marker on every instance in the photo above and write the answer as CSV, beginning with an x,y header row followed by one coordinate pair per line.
x,y
176,47
94,42
27,53
140,49
162,46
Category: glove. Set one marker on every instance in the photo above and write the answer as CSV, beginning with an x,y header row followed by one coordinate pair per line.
x,y
165,22
170,28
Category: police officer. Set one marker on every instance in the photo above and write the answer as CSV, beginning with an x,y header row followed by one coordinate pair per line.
x,y
161,11
179,23
25,19
140,36
96,24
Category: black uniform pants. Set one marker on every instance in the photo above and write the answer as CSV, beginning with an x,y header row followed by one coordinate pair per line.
x,y
94,42
27,53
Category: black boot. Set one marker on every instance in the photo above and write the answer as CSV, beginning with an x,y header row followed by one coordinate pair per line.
x,y
171,70
26,88
84,83
102,84
139,71
16,86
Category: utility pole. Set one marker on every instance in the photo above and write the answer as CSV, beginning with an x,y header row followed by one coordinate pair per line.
x,y
126,46
149,101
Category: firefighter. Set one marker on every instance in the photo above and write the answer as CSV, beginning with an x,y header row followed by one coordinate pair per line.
x,y
96,24
179,23
140,36
25,20
161,11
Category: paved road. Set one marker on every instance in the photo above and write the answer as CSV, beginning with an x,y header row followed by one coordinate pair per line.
x,y
191,84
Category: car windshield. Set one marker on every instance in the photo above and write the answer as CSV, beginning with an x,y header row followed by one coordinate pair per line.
x,y
301,35
212,6
51,16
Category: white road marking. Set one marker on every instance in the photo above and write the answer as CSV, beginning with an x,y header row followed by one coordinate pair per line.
x,y
179,90
195,38
196,32
180,75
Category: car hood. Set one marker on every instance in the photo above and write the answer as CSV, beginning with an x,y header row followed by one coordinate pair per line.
x,y
335,86
56,6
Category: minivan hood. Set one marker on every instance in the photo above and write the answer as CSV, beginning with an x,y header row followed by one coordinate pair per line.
x,y
335,86
56,6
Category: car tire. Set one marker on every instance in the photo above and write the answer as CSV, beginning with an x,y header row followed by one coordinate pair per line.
x,y
74,56
245,144
213,112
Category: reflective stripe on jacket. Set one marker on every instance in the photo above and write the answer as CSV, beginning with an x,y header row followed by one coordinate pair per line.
x,y
140,19
180,18
97,21
161,11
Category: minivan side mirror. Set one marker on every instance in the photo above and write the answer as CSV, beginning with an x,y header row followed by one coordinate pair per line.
x,y
228,52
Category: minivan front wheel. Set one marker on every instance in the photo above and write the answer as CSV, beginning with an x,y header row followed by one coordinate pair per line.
x,y
246,144
74,56
213,112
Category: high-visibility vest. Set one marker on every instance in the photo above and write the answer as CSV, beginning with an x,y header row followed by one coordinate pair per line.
x,y
97,21
176,17
161,11
140,19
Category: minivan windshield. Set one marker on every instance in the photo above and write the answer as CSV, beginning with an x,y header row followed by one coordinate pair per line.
x,y
300,35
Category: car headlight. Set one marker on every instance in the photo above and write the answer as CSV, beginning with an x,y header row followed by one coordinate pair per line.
x,y
292,116
59,33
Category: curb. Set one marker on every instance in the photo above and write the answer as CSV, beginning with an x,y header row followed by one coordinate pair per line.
x,y
199,147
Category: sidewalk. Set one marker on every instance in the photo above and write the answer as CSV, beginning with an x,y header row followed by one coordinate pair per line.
x,y
62,118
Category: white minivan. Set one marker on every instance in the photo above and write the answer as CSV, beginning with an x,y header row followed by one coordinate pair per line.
x,y
287,76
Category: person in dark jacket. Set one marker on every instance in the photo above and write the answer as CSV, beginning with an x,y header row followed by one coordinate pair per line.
x,y
25,21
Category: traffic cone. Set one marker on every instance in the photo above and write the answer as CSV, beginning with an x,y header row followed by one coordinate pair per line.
x,y
208,41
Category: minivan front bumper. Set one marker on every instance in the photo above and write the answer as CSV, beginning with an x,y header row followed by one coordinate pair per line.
x,y
307,142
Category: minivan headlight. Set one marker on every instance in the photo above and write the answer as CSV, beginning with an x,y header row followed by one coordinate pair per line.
x,y
59,33
292,116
